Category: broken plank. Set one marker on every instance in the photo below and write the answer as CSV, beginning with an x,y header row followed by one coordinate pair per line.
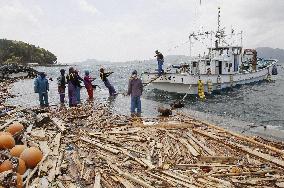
x,y
104,147
203,146
136,180
125,182
246,149
56,143
258,154
238,135
196,165
59,123
173,184
176,176
126,174
97,180
142,161
7,123
189,147
219,159
237,174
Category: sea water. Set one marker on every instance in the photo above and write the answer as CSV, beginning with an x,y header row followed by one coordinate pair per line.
x,y
258,106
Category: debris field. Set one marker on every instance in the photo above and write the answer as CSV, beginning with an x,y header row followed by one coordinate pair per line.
x,y
89,146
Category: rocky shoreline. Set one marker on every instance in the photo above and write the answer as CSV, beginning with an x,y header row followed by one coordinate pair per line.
x,y
17,71
89,146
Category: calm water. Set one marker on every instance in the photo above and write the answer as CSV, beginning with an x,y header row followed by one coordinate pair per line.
x,y
258,104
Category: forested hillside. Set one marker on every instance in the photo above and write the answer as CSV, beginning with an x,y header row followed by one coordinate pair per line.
x,y
21,52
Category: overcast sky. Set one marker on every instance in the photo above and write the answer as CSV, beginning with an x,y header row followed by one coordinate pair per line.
x,y
120,30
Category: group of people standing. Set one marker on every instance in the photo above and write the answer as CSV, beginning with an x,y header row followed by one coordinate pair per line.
x,y
72,81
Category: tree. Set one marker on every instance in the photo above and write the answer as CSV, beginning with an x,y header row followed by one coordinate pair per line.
x,y
9,50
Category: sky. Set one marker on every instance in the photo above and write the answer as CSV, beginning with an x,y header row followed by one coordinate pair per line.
x,y
124,30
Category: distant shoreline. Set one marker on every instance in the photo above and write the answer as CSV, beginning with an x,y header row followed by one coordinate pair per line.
x,y
50,65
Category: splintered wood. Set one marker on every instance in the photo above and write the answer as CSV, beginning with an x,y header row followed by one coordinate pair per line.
x,y
88,146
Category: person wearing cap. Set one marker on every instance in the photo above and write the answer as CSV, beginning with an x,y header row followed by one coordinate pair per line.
x,y
135,89
160,60
88,84
71,87
104,78
61,82
41,87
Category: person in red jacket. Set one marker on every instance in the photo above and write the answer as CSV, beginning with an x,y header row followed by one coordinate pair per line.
x,y
88,84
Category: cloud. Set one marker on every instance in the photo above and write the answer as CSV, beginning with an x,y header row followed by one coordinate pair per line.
x,y
14,11
130,29
19,21
87,7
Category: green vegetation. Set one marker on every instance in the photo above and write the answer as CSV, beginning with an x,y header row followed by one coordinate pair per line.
x,y
22,53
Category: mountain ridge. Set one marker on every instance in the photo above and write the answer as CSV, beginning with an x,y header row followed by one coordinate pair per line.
x,y
262,52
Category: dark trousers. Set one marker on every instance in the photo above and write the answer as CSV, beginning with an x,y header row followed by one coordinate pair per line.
x,y
61,91
111,89
135,104
43,99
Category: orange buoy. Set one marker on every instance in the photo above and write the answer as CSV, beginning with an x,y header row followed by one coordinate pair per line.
x,y
32,156
17,150
5,166
15,128
12,164
5,133
6,141
21,166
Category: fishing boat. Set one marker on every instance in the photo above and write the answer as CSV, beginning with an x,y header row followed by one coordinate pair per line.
x,y
223,66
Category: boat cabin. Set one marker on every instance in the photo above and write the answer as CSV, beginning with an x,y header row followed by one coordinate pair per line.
x,y
221,60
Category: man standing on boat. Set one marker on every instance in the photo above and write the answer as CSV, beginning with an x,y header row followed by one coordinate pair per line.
x,y
160,60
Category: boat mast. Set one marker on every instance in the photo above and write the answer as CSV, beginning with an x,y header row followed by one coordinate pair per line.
x,y
218,31
190,46
241,38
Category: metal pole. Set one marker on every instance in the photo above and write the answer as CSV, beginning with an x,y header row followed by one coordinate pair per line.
x,y
190,47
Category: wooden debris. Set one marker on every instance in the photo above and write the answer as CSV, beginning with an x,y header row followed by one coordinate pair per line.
x,y
92,147
59,123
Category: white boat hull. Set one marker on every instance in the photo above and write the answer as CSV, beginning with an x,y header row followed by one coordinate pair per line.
x,y
187,83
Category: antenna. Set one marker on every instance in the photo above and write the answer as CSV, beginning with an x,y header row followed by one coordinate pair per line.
x,y
241,38
218,31
190,44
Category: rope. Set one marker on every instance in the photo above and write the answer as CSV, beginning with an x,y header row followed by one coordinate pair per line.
x,y
152,80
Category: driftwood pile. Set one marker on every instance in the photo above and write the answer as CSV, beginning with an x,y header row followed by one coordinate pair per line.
x,y
88,146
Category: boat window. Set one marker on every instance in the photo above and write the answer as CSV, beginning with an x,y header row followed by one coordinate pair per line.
x,y
194,64
227,64
208,63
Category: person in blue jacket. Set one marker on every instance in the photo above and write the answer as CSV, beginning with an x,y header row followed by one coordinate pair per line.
x,y
41,87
